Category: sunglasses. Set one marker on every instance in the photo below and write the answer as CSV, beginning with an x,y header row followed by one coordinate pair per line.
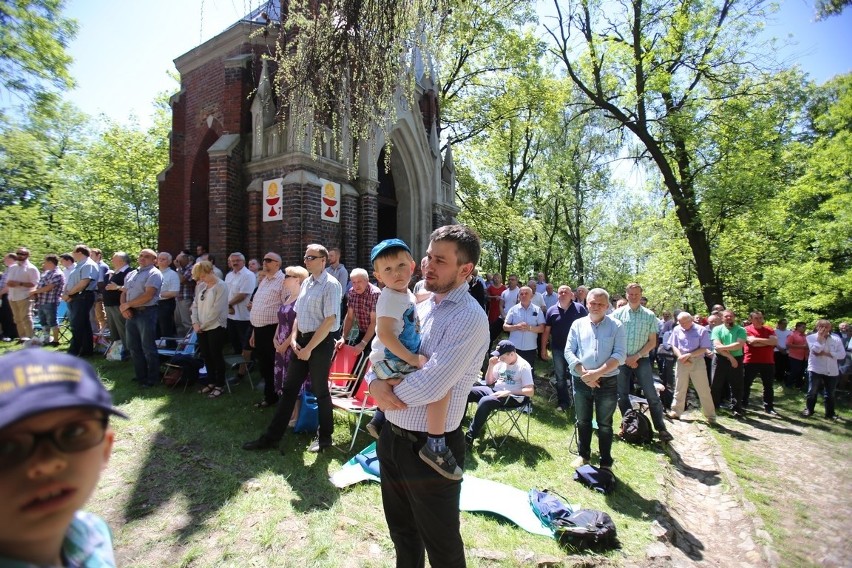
x,y
69,438
203,293
269,260
286,276
311,257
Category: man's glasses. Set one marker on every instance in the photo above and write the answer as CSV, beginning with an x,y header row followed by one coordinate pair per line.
x,y
311,257
269,260
69,438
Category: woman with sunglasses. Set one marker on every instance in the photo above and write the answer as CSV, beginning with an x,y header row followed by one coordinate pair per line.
x,y
210,321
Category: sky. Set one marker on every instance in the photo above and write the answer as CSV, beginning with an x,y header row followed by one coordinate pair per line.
x,y
124,50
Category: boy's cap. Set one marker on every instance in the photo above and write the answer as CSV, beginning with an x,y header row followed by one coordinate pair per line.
x,y
504,347
388,244
35,380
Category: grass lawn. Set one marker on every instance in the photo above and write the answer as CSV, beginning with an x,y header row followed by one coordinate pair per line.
x,y
180,491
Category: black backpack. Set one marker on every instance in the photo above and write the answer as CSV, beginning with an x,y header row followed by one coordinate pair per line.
x,y
635,427
586,528
601,480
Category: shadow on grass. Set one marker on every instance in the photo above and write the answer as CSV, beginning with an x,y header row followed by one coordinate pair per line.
x,y
196,455
514,450
736,434
703,476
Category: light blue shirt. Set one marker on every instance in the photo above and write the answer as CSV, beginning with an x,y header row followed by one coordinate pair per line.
x,y
141,278
87,544
455,339
318,299
593,344
86,268
534,316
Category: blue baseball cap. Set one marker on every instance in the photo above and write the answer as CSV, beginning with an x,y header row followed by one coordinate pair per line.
x,y
35,380
386,245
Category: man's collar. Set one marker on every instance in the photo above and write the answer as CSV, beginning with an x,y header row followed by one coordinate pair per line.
x,y
321,279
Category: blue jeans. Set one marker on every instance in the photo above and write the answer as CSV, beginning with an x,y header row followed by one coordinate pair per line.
x,y
47,316
817,381
563,379
646,381
140,332
604,398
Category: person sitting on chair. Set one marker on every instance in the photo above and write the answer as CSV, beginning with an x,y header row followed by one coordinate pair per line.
x,y
508,384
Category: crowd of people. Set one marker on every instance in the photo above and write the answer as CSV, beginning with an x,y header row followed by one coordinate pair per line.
x,y
429,331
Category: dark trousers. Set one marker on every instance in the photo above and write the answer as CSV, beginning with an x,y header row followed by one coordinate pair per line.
x,y
796,374
264,354
726,376
782,366
7,320
421,506
238,334
529,356
166,318
211,343
139,332
486,403
495,329
81,326
767,377
316,368
817,381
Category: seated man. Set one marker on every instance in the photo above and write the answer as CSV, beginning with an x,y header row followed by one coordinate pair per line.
x,y
508,381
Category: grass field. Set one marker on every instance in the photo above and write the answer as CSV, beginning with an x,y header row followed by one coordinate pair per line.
x,y
180,491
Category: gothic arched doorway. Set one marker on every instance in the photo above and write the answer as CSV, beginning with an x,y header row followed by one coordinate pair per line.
x,y
386,202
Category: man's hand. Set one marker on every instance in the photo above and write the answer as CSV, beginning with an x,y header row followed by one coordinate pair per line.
x,y
544,355
591,378
359,348
338,344
502,393
382,393
304,353
685,358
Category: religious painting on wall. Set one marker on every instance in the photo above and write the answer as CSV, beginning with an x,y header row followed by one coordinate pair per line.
x,y
272,209
330,194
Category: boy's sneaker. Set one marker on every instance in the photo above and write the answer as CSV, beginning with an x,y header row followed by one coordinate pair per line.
x,y
444,462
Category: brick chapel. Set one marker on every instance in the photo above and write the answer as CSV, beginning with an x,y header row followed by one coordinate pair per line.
x,y
226,142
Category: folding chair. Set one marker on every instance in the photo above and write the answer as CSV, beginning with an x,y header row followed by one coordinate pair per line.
x,y
505,420
62,321
346,371
355,406
185,347
234,362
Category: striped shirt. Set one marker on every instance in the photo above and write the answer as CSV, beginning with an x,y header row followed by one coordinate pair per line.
x,y
56,278
455,339
187,287
638,324
267,300
318,299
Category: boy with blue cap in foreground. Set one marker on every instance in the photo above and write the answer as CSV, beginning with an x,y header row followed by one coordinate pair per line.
x,y
395,348
55,440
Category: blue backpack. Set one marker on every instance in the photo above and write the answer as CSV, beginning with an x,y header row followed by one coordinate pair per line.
x,y
584,528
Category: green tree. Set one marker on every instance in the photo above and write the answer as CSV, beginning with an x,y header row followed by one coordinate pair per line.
x,y
33,62
661,70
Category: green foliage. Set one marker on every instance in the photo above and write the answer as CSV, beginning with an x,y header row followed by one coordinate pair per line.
x,y
33,62
828,8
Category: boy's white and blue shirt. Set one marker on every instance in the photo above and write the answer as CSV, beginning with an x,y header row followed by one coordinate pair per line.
x,y
87,544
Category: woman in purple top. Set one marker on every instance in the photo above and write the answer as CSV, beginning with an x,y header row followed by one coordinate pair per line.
x,y
293,278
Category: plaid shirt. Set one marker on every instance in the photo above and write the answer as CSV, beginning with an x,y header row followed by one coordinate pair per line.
x,y
269,297
362,305
187,287
318,299
56,278
638,324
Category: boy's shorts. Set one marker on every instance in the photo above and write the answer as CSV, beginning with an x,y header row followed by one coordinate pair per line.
x,y
392,369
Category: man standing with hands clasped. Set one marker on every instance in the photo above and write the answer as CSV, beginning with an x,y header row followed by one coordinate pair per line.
x,y
421,506
597,346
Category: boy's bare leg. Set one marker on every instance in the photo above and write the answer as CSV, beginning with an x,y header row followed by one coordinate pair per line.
x,y
436,416
435,451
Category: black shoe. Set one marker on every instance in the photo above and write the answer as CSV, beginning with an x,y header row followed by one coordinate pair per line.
x,y
261,443
468,439
806,413
442,462
318,446
665,436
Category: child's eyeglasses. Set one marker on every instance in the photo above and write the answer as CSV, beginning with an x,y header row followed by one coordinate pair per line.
x,y
71,437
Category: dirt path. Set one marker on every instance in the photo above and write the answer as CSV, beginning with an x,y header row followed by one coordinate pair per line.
x,y
801,474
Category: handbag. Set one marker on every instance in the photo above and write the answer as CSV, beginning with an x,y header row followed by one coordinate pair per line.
x,y
113,353
173,375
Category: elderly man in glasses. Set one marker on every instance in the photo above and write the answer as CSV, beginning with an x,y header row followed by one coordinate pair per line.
x,y
269,297
317,317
